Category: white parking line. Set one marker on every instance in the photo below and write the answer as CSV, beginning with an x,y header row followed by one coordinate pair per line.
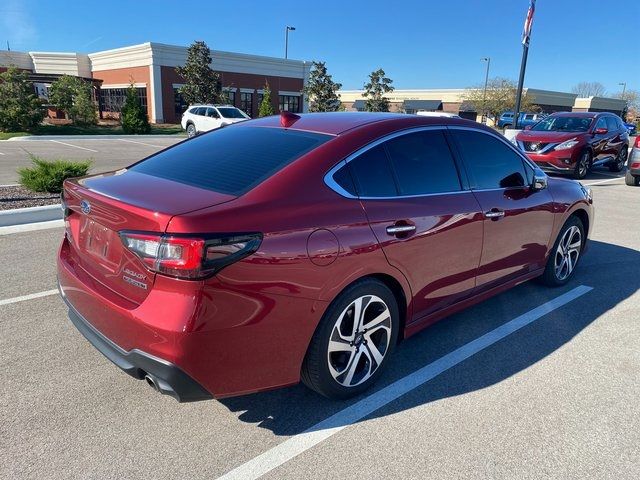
x,y
46,293
31,227
604,181
140,143
74,146
2,153
297,444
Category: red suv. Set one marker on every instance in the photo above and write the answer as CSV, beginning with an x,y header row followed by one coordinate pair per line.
x,y
574,142
305,247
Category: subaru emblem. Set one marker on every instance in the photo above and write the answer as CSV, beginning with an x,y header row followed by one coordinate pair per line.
x,y
85,206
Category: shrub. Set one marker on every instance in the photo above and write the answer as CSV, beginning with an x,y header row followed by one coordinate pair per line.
x,y
266,108
72,95
47,176
20,109
133,115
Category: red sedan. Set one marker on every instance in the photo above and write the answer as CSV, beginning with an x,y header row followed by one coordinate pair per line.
x,y
305,247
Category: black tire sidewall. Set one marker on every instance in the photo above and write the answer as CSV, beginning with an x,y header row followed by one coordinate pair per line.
x,y
316,374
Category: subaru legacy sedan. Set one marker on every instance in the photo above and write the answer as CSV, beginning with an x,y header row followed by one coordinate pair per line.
x,y
306,247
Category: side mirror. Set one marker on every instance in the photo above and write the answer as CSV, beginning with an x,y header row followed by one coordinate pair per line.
x,y
540,180
527,127
600,131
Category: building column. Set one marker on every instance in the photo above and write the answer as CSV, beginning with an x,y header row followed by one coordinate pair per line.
x,y
155,76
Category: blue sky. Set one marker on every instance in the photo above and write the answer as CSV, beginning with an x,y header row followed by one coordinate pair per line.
x,y
420,44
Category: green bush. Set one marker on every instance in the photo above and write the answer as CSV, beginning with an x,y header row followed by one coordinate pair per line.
x,y
133,115
20,109
47,176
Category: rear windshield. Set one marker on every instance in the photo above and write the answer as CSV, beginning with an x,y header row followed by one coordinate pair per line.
x,y
230,160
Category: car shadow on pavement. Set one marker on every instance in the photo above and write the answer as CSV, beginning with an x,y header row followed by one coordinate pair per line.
x,y
610,269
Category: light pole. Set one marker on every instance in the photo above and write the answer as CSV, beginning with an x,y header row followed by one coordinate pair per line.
x,y
486,80
286,40
624,88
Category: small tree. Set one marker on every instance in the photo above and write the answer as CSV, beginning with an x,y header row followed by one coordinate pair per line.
x,y
374,91
72,95
266,108
20,108
321,90
500,97
202,84
133,116
589,89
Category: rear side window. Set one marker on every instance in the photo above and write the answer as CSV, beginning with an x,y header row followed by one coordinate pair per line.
x,y
231,160
372,174
423,163
491,163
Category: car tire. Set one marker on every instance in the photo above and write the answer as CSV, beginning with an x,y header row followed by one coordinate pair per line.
x,y
620,161
191,130
632,180
565,254
583,165
346,357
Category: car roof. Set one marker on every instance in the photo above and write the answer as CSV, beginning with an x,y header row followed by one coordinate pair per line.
x,y
579,114
210,105
335,123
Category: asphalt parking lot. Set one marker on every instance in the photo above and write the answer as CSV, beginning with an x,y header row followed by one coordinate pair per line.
x,y
556,398
105,153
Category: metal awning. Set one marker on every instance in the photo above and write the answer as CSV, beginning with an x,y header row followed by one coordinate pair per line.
x,y
429,105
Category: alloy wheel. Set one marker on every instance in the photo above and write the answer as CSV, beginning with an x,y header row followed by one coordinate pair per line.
x,y
622,158
359,340
191,131
568,252
583,167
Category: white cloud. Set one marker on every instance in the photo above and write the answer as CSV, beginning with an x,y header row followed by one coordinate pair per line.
x,y
18,26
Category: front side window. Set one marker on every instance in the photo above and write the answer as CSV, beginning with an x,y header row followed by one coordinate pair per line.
x,y
611,124
601,123
211,112
490,162
422,163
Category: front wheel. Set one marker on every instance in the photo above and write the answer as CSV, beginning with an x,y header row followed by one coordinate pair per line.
x,y
583,165
620,161
565,254
632,180
353,341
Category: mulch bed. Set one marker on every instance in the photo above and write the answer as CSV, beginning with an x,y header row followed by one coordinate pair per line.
x,y
19,197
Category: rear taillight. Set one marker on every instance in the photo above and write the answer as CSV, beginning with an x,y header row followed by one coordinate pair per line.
x,y
637,144
190,257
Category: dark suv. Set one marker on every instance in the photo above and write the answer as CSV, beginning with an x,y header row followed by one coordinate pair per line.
x,y
574,142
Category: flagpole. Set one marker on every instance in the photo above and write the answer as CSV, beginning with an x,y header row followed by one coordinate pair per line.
x,y
526,35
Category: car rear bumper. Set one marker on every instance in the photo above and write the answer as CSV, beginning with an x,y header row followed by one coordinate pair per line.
x,y
164,376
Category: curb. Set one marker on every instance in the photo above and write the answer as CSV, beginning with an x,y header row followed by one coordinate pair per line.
x,y
20,216
40,138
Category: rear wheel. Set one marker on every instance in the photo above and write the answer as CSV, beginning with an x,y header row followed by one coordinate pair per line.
x,y
620,160
353,341
583,166
191,130
632,180
565,254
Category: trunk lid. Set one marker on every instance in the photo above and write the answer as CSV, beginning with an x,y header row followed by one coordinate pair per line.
x,y
99,207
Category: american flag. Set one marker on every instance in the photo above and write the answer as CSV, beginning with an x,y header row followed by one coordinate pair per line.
x,y
526,32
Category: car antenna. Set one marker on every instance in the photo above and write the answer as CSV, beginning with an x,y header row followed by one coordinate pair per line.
x,y
287,118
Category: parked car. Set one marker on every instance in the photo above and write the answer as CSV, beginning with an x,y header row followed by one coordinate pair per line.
x,y
632,177
202,118
632,128
305,247
574,142
506,119
437,114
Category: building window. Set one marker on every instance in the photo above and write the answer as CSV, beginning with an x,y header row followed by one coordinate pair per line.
x,y
112,99
231,96
246,103
179,104
290,103
260,97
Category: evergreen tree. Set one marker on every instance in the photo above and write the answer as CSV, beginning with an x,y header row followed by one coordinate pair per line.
x,y
20,108
321,90
133,115
266,108
202,84
374,91
72,95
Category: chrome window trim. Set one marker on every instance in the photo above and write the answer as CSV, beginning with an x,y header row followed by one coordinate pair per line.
x,y
333,185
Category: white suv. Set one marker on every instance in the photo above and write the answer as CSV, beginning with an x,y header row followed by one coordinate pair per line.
x,y
202,118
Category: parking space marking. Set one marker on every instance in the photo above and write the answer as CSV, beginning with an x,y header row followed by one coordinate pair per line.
x,y
607,174
298,444
604,181
140,143
2,153
31,227
74,146
46,293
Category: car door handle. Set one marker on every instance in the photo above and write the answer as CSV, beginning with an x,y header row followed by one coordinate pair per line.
x,y
494,214
399,229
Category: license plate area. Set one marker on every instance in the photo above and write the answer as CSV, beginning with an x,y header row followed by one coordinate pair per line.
x,y
100,243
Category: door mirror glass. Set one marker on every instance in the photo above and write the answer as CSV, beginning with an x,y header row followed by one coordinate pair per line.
x,y
539,180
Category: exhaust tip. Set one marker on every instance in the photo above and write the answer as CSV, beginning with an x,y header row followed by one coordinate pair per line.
x,y
152,382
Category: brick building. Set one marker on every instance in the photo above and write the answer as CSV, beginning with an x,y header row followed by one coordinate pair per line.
x,y
151,68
